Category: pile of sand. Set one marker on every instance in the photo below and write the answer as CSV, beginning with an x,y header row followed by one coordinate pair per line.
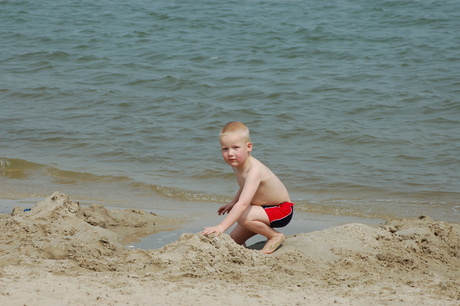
x,y
401,262
58,228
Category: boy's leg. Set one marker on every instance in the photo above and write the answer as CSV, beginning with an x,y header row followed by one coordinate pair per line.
x,y
240,234
255,220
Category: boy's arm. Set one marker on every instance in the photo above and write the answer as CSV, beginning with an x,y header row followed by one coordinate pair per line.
x,y
244,200
226,208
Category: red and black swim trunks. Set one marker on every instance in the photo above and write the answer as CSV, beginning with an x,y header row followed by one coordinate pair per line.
x,y
280,215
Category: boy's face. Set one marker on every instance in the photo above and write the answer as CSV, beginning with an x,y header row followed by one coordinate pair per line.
x,y
235,150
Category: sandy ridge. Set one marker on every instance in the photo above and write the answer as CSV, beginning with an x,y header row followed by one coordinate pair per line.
x,y
62,253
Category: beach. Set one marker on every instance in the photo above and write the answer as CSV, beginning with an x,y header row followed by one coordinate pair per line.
x,y
118,106
59,252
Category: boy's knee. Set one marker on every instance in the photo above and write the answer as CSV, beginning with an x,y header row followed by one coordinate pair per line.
x,y
245,222
242,220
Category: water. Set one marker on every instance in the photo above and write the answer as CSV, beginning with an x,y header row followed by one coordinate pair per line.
x,y
355,105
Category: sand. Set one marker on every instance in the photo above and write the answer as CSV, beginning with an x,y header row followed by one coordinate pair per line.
x,y
61,253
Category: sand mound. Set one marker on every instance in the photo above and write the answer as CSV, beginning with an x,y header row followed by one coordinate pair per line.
x,y
129,224
402,261
407,253
58,228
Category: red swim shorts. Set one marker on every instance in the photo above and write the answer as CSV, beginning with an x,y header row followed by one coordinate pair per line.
x,y
280,215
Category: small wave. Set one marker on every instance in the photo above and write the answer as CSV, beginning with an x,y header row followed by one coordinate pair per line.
x,y
22,169
90,183
456,210
17,168
187,195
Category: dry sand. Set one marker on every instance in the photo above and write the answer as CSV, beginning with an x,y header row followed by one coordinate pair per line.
x,y
61,253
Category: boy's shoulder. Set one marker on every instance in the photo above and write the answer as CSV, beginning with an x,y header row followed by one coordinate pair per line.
x,y
254,167
260,164
260,169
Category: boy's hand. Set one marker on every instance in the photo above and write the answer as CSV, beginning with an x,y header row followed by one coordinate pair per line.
x,y
224,209
213,230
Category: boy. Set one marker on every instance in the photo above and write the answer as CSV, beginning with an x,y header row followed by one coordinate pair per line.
x,y
262,201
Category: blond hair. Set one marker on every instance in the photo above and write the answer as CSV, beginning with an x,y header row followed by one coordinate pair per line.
x,y
236,127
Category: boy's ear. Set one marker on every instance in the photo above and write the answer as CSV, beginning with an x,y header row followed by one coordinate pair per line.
x,y
249,146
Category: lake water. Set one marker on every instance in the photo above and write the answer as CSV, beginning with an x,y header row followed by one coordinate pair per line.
x,y
355,105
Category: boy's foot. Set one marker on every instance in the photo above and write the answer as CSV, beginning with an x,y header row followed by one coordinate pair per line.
x,y
273,244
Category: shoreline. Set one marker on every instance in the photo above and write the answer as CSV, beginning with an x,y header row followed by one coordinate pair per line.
x,y
194,221
62,253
